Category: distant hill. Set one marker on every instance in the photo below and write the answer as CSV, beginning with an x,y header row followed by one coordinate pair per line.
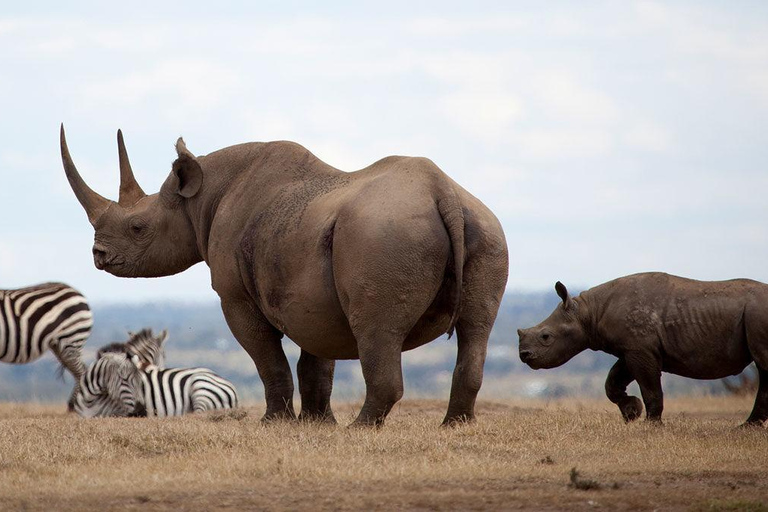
x,y
199,336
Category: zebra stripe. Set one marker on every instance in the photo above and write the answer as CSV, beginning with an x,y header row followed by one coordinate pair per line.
x,y
48,316
177,391
115,386
105,390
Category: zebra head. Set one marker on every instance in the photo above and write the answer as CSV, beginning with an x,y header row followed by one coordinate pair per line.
x,y
141,235
110,387
148,348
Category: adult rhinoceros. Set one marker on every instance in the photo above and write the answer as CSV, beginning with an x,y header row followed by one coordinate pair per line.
x,y
362,265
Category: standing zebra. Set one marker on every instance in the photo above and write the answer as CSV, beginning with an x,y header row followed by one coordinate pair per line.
x,y
47,316
148,348
115,386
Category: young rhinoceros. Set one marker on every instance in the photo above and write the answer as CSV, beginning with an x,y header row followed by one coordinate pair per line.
x,y
656,322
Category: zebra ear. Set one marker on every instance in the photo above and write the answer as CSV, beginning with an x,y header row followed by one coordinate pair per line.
x,y
162,337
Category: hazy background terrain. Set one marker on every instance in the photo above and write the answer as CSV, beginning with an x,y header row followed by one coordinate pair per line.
x,y
200,337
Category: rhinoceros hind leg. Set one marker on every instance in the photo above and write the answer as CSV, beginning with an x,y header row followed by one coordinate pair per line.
x,y
485,275
382,370
468,373
760,410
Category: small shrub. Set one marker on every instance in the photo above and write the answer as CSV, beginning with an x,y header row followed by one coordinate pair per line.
x,y
583,484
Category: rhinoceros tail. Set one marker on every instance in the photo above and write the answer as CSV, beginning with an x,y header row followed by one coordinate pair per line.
x,y
450,209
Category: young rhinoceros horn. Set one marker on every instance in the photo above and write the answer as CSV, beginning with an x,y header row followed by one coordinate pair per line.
x,y
130,191
94,204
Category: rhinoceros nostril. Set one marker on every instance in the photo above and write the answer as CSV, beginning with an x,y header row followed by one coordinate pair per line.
x,y
99,256
525,355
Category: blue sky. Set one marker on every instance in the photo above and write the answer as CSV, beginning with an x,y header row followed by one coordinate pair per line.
x,y
608,137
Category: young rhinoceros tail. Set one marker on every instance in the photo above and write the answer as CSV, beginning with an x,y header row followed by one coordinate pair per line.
x,y
449,206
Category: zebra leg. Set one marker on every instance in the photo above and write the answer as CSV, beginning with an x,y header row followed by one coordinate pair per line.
x,y
71,359
315,386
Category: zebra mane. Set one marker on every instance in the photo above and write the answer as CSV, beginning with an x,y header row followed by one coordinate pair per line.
x,y
147,348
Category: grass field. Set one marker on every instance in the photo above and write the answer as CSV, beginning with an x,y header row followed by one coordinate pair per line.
x,y
519,455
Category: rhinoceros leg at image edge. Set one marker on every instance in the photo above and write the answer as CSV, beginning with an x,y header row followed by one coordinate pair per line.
x,y
263,344
616,384
646,368
760,410
315,377
757,335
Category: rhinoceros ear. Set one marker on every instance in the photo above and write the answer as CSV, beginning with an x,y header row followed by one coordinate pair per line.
x,y
562,292
187,169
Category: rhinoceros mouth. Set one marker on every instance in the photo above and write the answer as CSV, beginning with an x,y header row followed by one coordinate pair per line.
x,y
109,265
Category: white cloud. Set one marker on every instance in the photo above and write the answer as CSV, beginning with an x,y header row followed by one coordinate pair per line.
x,y
553,144
484,115
565,97
454,28
193,84
648,136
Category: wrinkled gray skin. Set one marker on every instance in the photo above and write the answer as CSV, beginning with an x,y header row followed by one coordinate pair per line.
x,y
656,322
348,265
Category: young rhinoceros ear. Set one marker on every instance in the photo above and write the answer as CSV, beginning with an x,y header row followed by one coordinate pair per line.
x,y
562,292
187,169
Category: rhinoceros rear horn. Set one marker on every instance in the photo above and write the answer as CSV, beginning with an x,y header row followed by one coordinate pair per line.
x,y
94,204
130,191
562,292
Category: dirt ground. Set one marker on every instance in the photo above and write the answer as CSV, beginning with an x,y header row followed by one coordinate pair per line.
x,y
518,455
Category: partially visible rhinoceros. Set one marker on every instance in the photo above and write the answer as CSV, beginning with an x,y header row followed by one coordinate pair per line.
x,y
348,265
656,322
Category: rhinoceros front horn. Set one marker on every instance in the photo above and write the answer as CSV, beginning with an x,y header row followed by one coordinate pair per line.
x,y
130,191
94,204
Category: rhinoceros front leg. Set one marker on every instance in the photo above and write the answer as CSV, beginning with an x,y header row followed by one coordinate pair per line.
x,y
262,342
760,410
616,384
646,368
315,385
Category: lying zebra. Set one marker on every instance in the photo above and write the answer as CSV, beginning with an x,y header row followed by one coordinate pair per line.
x,y
114,385
148,348
51,316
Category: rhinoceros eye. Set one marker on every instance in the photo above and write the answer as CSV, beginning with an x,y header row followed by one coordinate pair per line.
x,y
545,337
137,227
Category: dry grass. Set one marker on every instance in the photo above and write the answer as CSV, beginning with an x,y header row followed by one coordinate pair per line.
x,y
519,455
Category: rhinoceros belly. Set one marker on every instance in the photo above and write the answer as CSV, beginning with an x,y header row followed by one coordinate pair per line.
x,y
705,343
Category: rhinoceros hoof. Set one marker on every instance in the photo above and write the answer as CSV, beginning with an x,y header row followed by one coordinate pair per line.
x,y
631,408
748,425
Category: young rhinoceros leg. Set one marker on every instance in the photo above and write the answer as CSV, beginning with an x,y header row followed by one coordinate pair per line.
x,y
616,384
646,368
760,410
